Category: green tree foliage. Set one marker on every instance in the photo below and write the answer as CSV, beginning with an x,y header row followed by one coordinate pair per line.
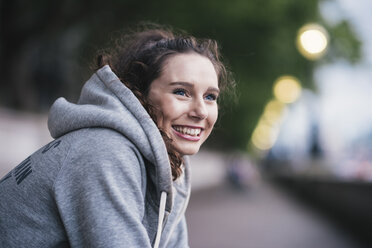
x,y
46,47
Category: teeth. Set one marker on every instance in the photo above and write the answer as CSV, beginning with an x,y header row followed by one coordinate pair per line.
x,y
187,130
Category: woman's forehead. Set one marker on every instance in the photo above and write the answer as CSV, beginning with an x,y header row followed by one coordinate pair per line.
x,y
189,66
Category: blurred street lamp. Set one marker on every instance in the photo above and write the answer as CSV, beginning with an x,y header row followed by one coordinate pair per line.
x,y
264,135
274,111
287,89
266,132
312,41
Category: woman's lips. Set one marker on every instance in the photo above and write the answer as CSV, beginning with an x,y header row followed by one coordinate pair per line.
x,y
188,132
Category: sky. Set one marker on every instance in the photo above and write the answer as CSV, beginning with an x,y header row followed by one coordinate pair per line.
x,y
342,108
345,100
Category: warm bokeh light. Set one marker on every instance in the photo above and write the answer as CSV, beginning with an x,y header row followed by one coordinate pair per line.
x,y
287,89
261,137
273,111
266,132
312,41
264,135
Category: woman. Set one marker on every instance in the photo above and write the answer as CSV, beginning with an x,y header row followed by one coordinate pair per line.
x,y
116,174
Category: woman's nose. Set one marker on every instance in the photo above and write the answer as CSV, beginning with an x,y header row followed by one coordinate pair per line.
x,y
199,109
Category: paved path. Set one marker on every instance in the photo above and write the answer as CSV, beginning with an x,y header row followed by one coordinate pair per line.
x,y
261,217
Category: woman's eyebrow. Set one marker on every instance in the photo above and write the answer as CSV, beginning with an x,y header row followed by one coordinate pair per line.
x,y
215,90
186,84
190,85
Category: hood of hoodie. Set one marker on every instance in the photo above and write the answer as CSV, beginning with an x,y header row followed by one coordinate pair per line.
x,y
106,102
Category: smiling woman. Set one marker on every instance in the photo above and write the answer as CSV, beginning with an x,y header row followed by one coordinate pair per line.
x,y
162,57
117,168
185,97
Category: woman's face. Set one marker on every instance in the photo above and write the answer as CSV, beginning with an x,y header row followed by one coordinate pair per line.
x,y
185,97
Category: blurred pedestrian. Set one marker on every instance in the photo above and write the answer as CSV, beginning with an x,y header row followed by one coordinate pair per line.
x,y
117,173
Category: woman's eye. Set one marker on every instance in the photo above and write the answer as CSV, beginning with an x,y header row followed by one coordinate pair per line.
x,y
211,97
180,92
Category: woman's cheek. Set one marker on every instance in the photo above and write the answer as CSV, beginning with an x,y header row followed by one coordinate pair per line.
x,y
175,107
214,114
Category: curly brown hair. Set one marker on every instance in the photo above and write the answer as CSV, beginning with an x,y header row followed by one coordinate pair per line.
x,y
137,58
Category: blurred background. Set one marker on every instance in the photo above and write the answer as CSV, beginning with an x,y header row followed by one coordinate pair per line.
x,y
288,165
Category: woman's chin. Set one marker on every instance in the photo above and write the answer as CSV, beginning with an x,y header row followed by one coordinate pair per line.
x,y
189,150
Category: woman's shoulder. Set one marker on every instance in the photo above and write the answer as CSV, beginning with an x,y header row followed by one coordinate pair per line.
x,y
93,148
98,140
101,167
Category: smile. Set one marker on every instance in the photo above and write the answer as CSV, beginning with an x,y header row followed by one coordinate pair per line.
x,y
189,133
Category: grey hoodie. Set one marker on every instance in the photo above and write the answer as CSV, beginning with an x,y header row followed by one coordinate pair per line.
x,y
105,181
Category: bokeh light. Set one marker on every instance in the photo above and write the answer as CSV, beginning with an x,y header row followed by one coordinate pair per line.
x,y
287,89
273,111
266,132
312,41
264,135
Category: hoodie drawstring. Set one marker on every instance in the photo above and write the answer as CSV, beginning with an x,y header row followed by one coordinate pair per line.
x,y
163,200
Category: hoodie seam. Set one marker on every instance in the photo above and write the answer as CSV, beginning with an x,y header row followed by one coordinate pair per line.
x,y
63,163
